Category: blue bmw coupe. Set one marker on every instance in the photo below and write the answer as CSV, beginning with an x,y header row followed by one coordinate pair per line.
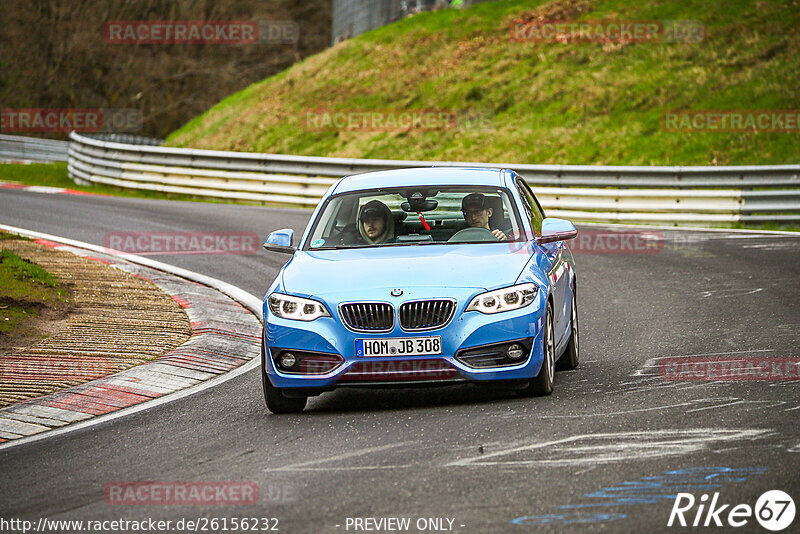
x,y
415,277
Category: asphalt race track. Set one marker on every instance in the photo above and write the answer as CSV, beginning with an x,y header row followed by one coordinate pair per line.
x,y
606,452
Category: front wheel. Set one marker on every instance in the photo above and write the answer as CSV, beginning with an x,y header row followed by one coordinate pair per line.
x,y
276,401
543,383
570,359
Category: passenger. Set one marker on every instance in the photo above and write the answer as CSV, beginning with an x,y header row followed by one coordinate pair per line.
x,y
477,212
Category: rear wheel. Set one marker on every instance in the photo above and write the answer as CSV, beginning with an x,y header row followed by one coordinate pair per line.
x,y
570,359
276,401
543,383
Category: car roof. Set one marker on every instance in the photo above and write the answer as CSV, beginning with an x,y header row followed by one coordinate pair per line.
x,y
421,177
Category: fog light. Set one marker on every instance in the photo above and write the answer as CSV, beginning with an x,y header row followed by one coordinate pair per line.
x,y
515,351
288,360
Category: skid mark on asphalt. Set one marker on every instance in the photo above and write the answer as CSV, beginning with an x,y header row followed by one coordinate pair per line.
x,y
653,384
726,293
584,451
590,449
774,246
314,465
649,377
733,401
652,365
715,402
622,412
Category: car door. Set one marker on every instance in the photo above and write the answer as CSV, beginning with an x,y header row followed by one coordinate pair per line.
x,y
557,269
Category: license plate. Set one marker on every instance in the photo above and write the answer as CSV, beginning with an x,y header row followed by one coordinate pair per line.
x,y
400,346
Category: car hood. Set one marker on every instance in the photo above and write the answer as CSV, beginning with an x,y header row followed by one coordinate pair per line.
x,y
361,272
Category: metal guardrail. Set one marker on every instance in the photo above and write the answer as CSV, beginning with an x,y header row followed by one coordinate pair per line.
x,y
18,148
697,195
131,139
22,148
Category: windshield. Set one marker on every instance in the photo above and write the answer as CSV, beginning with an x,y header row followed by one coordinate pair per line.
x,y
416,216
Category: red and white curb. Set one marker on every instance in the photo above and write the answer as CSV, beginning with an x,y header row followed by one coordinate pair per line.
x,y
45,189
225,342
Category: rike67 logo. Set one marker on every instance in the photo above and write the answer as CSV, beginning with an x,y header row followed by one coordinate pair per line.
x,y
774,511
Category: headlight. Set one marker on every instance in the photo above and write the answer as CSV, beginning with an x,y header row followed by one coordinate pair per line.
x,y
506,299
296,308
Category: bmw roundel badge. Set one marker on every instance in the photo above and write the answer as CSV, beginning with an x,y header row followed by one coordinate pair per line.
x,y
397,292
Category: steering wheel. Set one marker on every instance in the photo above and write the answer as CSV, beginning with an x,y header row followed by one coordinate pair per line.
x,y
473,234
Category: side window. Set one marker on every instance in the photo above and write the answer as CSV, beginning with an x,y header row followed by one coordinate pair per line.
x,y
532,208
526,204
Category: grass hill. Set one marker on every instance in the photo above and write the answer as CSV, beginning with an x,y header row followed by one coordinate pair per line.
x,y
532,102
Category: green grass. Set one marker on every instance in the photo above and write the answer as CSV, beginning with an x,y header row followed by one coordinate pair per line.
x,y
7,236
47,174
578,103
767,226
25,290
55,175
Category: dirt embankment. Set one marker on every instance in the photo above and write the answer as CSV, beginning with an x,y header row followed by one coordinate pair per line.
x,y
113,321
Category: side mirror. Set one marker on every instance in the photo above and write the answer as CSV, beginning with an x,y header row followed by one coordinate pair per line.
x,y
281,241
556,230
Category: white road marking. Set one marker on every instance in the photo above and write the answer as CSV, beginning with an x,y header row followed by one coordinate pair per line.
x,y
45,189
590,449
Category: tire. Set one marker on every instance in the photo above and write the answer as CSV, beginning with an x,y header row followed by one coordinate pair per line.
x,y
542,384
571,357
276,401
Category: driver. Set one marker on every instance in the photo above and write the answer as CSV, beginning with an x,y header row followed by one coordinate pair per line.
x,y
476,212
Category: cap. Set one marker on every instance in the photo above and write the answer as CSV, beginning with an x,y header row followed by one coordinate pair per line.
x,y
473,201
373,210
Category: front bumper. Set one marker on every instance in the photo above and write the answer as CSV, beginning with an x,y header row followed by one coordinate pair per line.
x,y
328,335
